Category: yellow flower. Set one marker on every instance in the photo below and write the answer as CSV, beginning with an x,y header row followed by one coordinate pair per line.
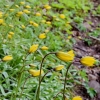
x,y
17,6
62,16
38,14
59,67
19,13
11,25
7,58
77,98
35,24
88,61
26,11
23,27
27,6
31,22
69,37
11,10
22,3
57,19
69,56
33,48
1,21
47,7
1,14
44,48
46,31
48,22
42,36
35,72
43,21
9,36
11,33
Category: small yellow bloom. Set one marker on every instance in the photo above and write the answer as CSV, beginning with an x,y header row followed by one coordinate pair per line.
x,y
38,14
88,61
22,3
46,31
69,37
23,27
9,36
48,22
42,36
43,21
33,48
26,11
17,6
69,56
79,37
11,10
47,7
11,33
31,22
77,98
57,19
7,58
27,6
11,26
35,24
62,16
1,21
35,72
59,67
19,13
44,48
1,14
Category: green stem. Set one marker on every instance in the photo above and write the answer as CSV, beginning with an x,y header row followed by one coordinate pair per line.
x,y
38,89
65,80
24,85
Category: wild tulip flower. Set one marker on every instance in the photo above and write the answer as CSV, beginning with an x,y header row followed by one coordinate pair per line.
x,y
9,36
26,11
44,48
11,10
59,67
7,58
23,26
35,72
22,3
42,36
77,98
33,48
66,56
38,14
88,61
35,24
48,22
27,6
11,33
62,16
47,7
19,13
1,14
1,21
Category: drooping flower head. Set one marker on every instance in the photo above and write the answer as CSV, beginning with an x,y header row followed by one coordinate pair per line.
x,y
35,72
77,98
42,36
88,61
33,48
59,67
66,56
7,58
